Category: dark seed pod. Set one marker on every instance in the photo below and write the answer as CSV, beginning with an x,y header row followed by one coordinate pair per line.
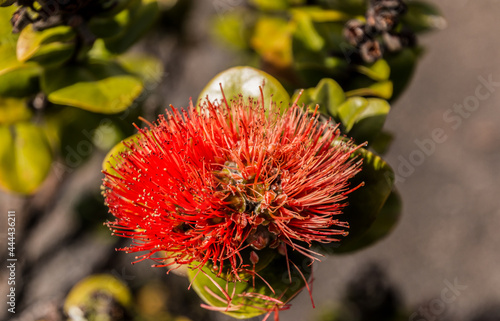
x,y
20,19
354,32
370,51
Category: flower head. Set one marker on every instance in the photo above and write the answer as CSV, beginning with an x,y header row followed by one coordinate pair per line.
x,y
225,184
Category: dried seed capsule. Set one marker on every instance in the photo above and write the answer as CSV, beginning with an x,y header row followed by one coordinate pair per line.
x,y
354,32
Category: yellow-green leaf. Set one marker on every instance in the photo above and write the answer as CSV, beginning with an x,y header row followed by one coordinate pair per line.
x,y
272,40
382,89
25,157
246,300
378,71
98,86
13,110
246,81
327,94
17,79
52,46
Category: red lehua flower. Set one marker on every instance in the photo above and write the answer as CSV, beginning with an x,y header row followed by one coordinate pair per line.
x,y
205,185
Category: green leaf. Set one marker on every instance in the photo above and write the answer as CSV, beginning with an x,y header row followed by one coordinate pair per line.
x,y
51,47
378,71
140,16
272,40
365,203
25,157
382,89
363,118
6,35
17,79
98,86
313,62
110,161
385,222
108,27
246,81
328,95
381,142
318,14
422,17
13,110
243,306
306,31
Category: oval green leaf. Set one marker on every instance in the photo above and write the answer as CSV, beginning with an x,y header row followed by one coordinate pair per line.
x,y
52,46
247,300
327,94
98,86
385,222
365,203
364,118
25,157
246,81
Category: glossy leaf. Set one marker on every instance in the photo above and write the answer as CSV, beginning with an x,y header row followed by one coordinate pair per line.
x,y
246,81
422,16
378,71
306,32
50,47
385,222
365,203
382,89
246,300
98,86
13,110
328,95
25,157
140,14
362,118
17,79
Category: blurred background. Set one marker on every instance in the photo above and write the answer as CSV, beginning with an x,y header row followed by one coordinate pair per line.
x,y
447,236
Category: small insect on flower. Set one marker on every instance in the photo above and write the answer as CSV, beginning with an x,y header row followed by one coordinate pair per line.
x,y
227,183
